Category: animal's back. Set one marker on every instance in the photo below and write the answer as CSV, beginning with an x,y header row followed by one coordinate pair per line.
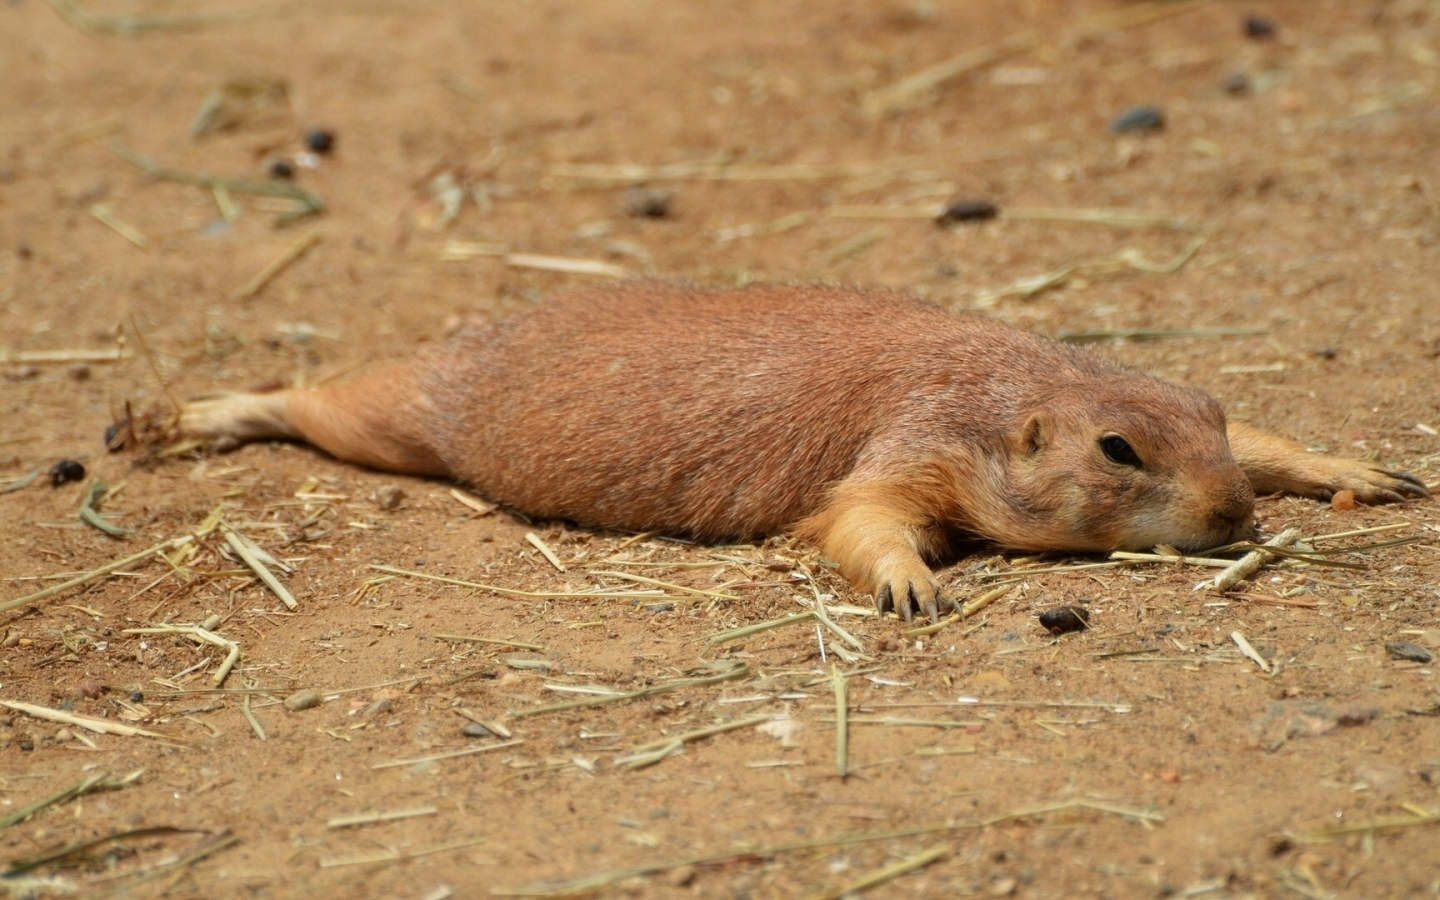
x,y
717,413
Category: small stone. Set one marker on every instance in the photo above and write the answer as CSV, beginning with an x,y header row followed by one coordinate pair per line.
x,y
90,689
968,211
321,140
475,729
644,202
681,877
79,372
1259,28
1139,118
1237,85
1170,777
114,437
1409,652
1065,618
66,471
889,645
282,169
1343,501
63,736
25,373
382,705
388,497
305,698
137,696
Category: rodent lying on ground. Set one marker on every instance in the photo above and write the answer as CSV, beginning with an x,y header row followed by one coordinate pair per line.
x,y
871,423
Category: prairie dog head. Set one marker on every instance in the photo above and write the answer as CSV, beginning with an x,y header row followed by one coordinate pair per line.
x,y
1127,462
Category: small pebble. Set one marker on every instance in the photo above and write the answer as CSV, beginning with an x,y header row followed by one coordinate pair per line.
x,y
1065,618
475,729
114,439
25,373
66,471
389,497
305,698
1343,501
659,607
90,689
644,202
79,372
1259,27
321,140
1237,84
1409,652
1139,118
968,211
1171,777
64,735
382,705
137,697
282,168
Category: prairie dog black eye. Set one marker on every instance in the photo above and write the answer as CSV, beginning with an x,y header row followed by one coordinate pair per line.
x,y
1118,450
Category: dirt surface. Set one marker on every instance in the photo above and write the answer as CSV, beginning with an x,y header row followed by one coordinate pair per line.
x,y
1311,178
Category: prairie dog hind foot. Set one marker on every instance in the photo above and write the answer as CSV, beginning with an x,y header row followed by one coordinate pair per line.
x,y
236,418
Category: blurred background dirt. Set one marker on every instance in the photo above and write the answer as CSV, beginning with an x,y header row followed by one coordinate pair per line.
x,y
1298,140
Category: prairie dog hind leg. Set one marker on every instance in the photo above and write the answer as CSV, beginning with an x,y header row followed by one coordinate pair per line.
x,y
376,420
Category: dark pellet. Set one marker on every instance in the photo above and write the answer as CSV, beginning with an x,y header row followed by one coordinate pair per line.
x,y
282,168
1259,28
1139,118
320,140
66,471
1065,618
969,211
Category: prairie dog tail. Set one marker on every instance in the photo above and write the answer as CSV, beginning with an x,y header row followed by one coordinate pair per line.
x,y
376,420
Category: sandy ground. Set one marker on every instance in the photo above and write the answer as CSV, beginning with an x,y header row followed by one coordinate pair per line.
x,y
1144,757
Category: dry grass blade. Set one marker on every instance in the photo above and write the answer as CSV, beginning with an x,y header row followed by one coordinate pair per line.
x,y
910,91
91,23
476,639
308,203
592,883
535,541
565,264
20,866
697,734
61,357
249,555
89,723
1119,218
390,857
737,671
842,727
744,631
1129,258
91,516
203,635
105,215
1251,562
372,818
1277,601
667,585
93,574
719,171
1250,652
277,265
75,790
224,840
511,592
1213,563
1150,334
880,876
454,754
1370,827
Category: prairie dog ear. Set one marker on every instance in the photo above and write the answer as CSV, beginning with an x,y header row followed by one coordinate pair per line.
x,y
1034,437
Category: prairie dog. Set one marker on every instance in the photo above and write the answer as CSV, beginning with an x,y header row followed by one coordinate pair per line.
x,y
873,424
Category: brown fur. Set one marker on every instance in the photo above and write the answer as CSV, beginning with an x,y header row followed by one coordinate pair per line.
x,y
873,424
